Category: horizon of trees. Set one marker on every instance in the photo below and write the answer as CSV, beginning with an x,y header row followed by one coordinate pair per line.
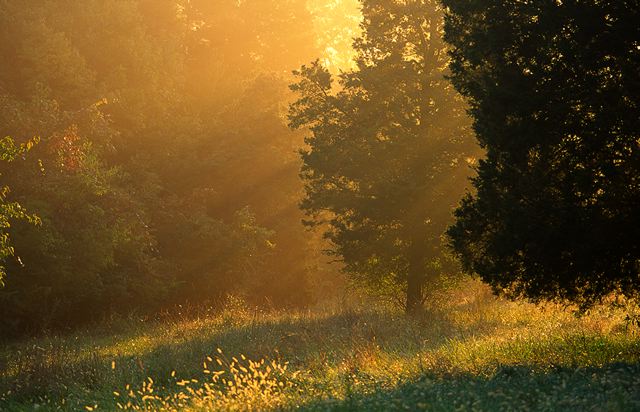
x,y
166,172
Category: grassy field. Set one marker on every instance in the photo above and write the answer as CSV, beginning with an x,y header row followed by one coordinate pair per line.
x,y
473,352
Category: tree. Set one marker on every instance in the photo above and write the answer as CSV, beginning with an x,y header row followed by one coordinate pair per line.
x,y
10,210
554,90
385,158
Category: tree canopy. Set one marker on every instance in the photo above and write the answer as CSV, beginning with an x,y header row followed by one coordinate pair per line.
x,y
554,91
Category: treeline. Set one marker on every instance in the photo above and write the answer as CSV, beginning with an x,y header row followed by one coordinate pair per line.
x,y
164,173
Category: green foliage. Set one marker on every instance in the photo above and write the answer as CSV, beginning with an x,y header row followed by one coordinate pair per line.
x,y
9,211
166,174
553,89
387,151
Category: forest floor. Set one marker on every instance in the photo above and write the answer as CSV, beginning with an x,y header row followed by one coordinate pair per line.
x,y
471,352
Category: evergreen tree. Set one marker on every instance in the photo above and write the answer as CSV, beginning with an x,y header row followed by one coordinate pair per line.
x,y
554,89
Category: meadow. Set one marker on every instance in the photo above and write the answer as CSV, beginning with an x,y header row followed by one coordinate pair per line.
x,y
469,351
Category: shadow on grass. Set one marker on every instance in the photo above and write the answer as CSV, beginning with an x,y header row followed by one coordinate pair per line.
x,y
308,341
79,371
613,387
305,340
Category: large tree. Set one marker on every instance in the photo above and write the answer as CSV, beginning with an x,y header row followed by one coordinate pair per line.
x,y
386,149
554,89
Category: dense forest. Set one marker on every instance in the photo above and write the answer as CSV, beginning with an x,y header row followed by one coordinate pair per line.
x,y
165,173
168,161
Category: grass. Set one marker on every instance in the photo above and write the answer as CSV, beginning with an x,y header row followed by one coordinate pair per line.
x,y
473,352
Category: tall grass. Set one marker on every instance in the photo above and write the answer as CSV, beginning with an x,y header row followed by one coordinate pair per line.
x,y
471,352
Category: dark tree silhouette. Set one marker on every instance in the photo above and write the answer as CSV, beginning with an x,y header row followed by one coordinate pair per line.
x,y
554,90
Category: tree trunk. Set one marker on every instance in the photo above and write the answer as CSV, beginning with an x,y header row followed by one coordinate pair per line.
x,y
415,282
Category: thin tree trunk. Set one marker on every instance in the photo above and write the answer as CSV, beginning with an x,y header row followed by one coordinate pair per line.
x,y
415,281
